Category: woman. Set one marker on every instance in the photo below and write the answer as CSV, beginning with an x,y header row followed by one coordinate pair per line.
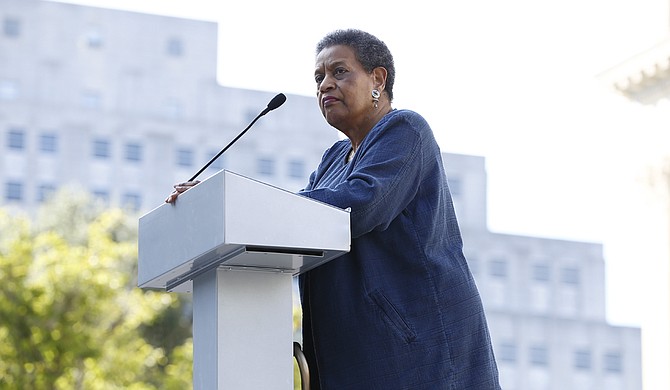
x,y
401,309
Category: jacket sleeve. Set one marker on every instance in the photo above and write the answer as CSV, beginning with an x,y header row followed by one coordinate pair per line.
x,y
385,178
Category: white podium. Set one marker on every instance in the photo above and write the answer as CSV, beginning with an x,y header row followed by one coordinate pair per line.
x,y
236,243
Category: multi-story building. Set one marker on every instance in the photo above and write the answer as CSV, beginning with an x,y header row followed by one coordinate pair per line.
x,y
125,104
644,78
545,300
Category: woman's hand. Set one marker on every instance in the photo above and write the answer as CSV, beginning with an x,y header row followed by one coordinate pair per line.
x,y
180,188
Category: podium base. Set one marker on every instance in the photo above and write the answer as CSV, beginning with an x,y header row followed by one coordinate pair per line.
x,y
243,330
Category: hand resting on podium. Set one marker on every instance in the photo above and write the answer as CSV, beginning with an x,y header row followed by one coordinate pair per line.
x,y
180,188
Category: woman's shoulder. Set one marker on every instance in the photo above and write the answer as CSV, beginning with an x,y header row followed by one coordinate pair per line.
x,y
405,113
407,120
409,116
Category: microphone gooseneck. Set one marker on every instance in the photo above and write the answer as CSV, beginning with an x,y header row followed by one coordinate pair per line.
x,y
272,105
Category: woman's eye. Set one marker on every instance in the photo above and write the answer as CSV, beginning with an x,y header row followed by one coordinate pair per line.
x,y
318,78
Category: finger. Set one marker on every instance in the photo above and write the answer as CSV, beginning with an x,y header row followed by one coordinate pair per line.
x,y
173,197
187,183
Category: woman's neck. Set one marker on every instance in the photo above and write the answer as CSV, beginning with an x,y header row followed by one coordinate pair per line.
x,y
356,137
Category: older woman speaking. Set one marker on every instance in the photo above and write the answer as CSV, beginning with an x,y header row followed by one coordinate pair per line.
x,y
400,310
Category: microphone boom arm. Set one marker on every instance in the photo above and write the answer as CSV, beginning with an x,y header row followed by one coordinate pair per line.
x,y
274,103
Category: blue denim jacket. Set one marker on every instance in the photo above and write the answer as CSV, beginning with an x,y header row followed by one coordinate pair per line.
x,y
401,309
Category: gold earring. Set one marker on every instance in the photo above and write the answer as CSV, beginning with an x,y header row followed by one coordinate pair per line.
x,y
375,97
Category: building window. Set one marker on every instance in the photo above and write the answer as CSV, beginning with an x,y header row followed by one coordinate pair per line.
x,y
473,264
251,115
48,143
613,362
541,272
507,352
16,139
296,169
175,47
218,163
45,192
13,190
101,196
185,157
498,268
172,108
539,356
133,152
101,148
131,200
11,27
455,186
91,100
9,90
93,39
583,360
570,276
266,166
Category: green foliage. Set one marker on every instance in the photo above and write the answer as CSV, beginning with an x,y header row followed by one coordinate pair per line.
x,y
71,316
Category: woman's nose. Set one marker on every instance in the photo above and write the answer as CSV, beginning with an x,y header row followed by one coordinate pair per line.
x,y
326,84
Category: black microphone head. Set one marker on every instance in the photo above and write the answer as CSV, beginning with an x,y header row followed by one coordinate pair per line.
x,y
276,102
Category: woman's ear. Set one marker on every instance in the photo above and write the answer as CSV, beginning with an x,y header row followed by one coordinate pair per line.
x,y
379,78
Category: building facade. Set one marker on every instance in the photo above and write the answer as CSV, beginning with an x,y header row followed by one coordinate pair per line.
x,y
644,78
124,105
544,298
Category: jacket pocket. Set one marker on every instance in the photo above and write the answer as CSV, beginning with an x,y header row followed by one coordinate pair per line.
x,y
392,316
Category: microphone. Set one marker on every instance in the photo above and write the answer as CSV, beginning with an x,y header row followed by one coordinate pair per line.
x,y
275,103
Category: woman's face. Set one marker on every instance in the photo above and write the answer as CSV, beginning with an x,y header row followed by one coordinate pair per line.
x,y
343,89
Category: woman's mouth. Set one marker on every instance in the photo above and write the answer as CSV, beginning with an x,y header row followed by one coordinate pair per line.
x,y
328,100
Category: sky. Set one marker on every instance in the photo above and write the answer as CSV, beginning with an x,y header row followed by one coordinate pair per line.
x,y
517,83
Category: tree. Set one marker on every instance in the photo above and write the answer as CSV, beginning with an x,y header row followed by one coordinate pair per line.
x,y
71,316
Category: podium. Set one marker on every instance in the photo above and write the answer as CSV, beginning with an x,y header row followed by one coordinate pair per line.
x,y
236,244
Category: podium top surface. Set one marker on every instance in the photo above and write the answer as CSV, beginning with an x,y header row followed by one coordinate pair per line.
x,y
230,220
